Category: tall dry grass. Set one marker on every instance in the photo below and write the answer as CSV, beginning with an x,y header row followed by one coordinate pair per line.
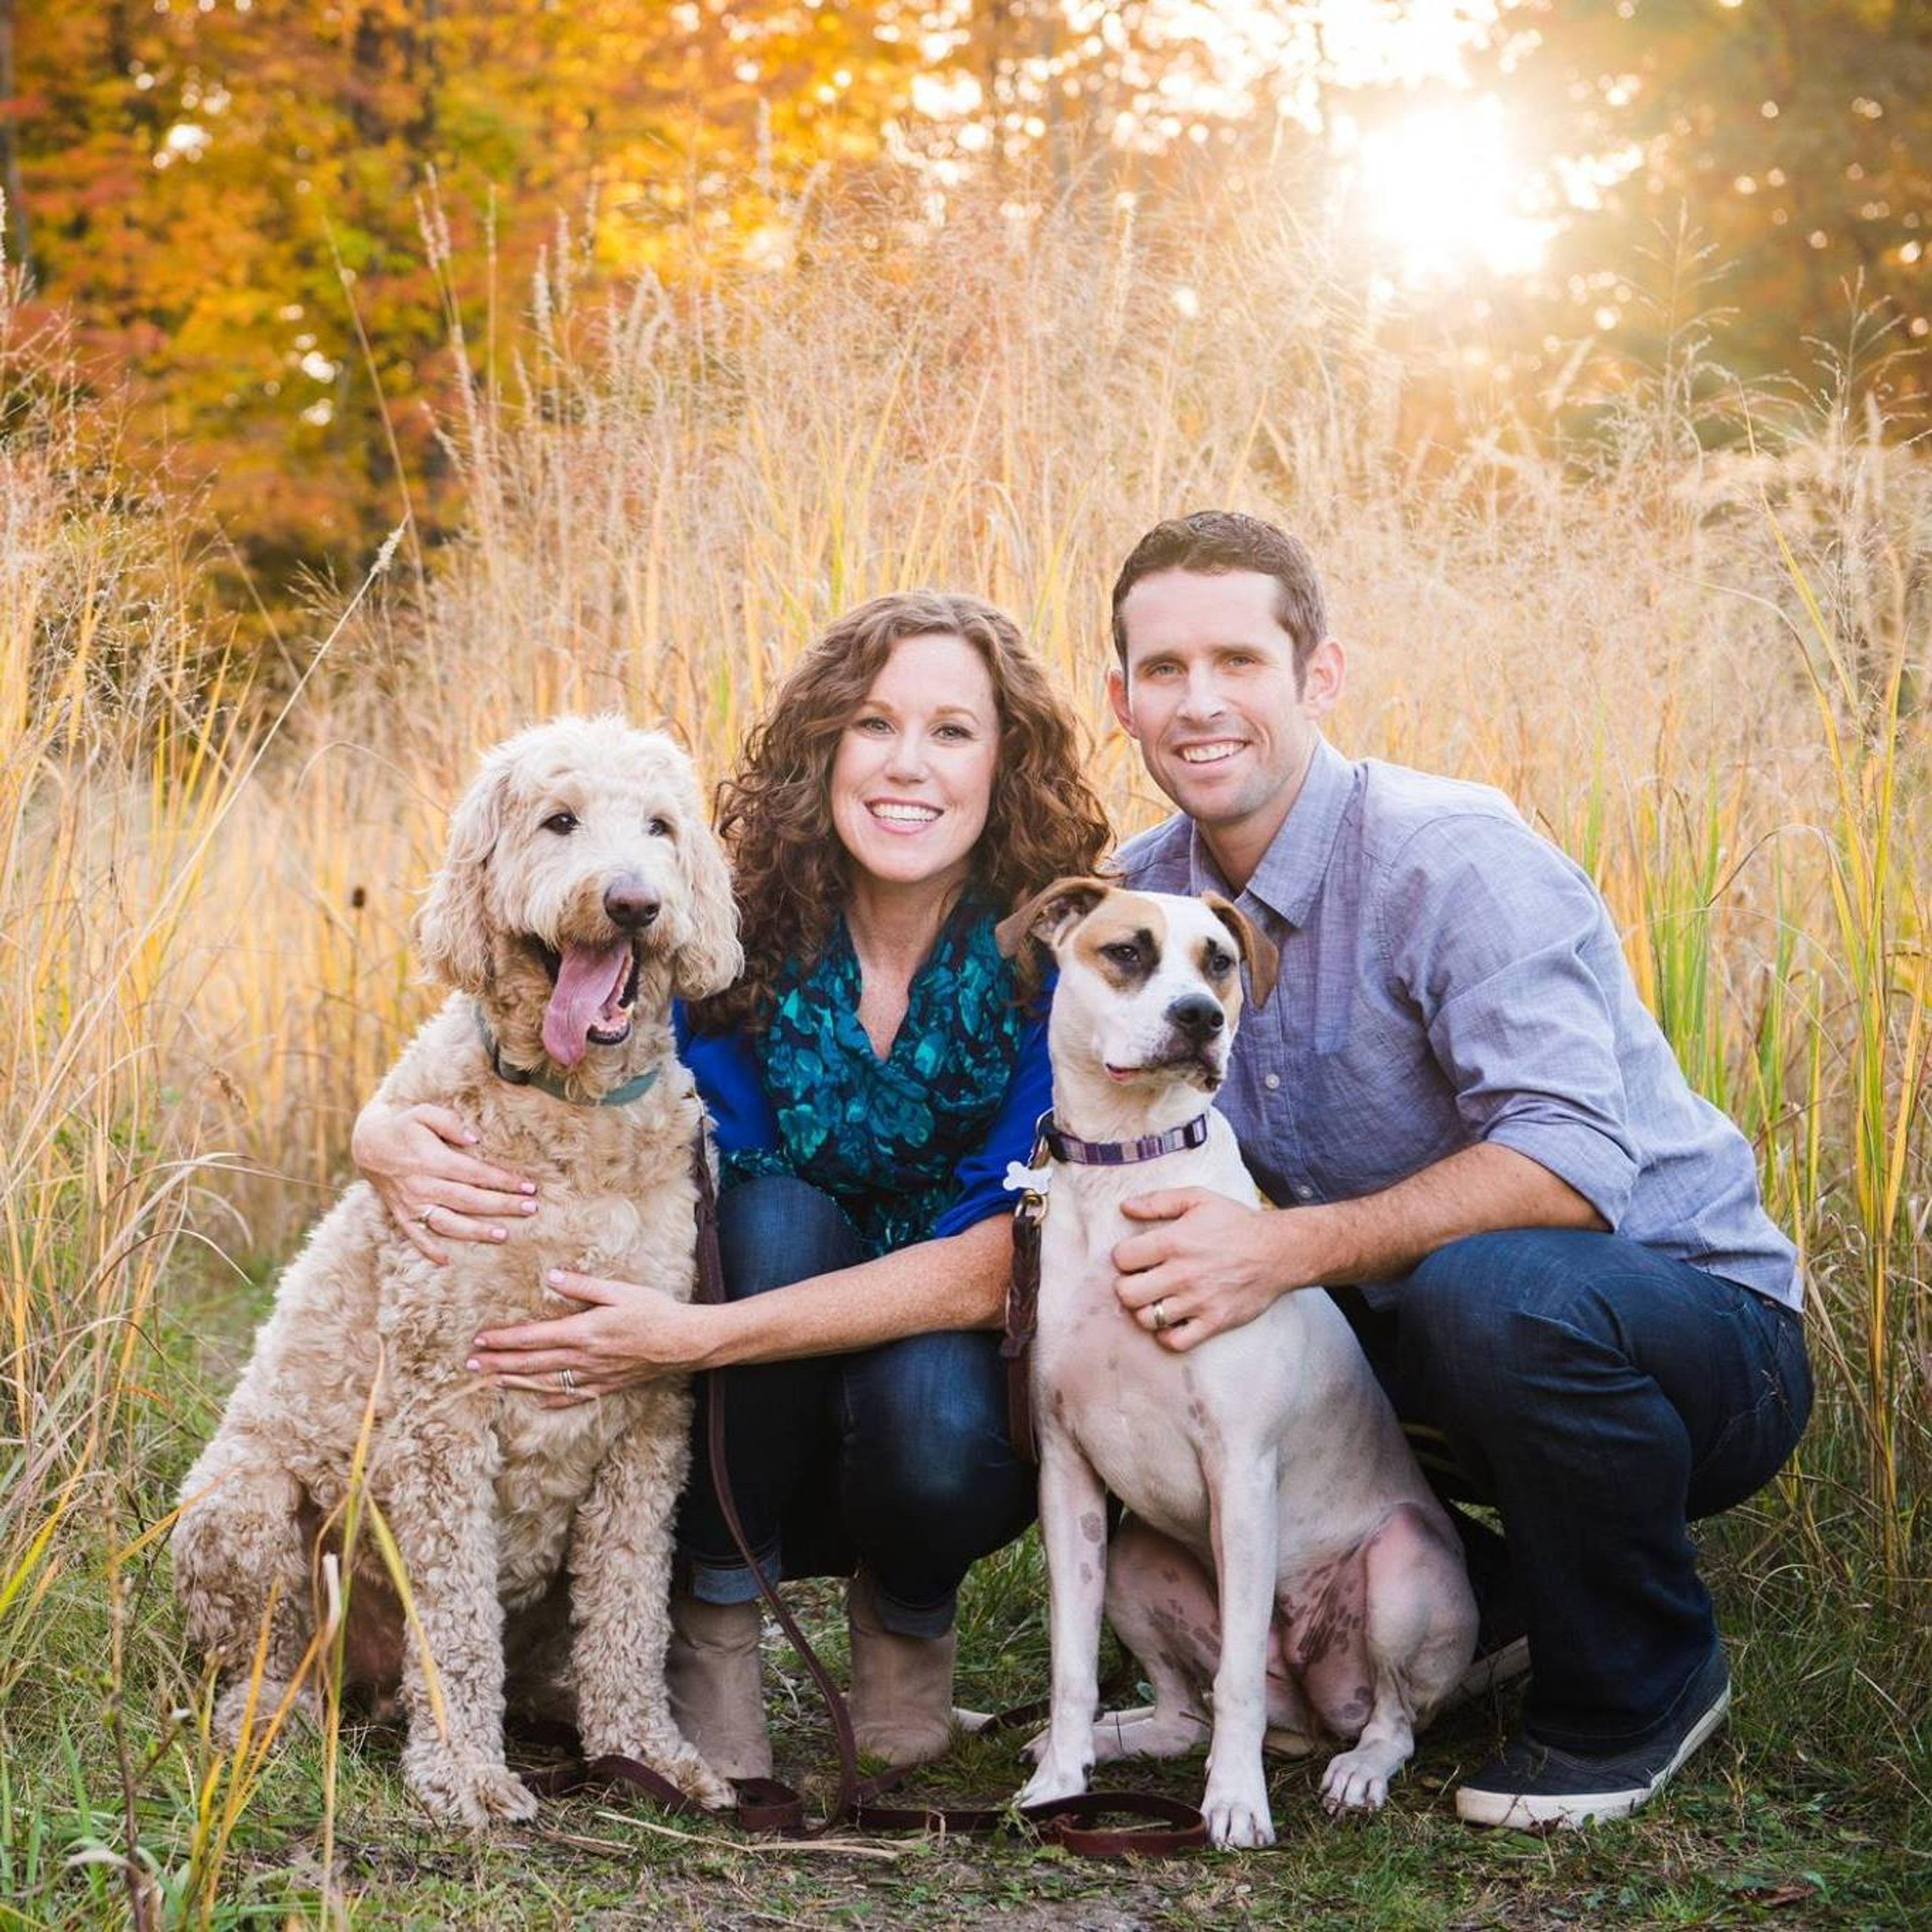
x,y
1706,675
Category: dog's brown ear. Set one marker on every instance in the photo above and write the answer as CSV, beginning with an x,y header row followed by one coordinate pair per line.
x,y
1256,948
453,928
1047,914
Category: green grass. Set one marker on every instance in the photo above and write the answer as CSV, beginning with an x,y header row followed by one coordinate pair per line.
x,y
1811,1809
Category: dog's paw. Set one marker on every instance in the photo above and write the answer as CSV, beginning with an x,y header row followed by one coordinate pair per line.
x,y
1356,1780
664,1751
1238,1817
695,1778
1055,1778
1148,1733
467,1792
248,1709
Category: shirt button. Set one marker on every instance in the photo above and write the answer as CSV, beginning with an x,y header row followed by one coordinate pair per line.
x,y
1271,1081
1305,1192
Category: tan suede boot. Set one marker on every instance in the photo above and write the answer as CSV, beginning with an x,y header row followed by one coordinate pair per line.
x,y
901,1686
717,1698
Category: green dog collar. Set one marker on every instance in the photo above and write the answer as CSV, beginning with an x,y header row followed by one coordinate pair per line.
x,y
634,1089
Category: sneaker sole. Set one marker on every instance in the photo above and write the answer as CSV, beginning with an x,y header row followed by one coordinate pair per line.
x,y
1525,1813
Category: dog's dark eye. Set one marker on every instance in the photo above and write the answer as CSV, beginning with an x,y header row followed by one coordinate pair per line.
x,y
1218,962
658,828
1123,953
560,823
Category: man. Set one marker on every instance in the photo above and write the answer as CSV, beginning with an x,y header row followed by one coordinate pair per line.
x,y
1560,1259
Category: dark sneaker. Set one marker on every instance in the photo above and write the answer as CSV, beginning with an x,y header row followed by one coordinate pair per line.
x,y
1531,1785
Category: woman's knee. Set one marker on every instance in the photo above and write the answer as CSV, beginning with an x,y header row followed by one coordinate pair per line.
x,y
777,1229
926,1440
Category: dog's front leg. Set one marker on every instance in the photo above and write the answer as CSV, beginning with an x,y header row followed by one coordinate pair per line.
x,y
440,1495
1073,1526
620,1580
1247,1536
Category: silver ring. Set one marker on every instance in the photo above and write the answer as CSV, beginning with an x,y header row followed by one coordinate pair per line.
x,y
566,1380
424,1217
1160,1315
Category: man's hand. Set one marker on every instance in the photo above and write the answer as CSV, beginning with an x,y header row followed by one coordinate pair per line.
x,y
1209,1264
1205,1263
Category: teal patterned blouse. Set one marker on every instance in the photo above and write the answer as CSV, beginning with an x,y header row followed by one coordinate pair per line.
x,y
886,1137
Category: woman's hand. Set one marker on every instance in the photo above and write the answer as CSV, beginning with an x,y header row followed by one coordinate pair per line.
x,y
416,1159
624,1335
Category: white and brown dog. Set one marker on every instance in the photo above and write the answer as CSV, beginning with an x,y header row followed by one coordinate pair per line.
x,y
1284,1560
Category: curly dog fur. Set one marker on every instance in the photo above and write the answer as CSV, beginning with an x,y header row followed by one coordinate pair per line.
x,y
492,1498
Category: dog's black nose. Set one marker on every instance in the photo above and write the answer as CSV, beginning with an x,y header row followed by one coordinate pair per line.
x,y
1197,1016
631,905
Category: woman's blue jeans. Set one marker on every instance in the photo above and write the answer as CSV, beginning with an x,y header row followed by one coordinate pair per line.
x,y
895,1457
1601,1397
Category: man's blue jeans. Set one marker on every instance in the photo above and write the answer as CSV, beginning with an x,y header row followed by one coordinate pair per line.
x,y
895,1457
1600,1395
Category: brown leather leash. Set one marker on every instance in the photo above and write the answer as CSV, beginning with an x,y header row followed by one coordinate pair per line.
x,y
1022,1318
767,1807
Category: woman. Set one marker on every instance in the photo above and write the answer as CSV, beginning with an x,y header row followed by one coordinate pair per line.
x,y
870,1077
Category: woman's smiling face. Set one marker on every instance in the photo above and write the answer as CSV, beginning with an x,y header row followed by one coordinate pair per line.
x,y
912,780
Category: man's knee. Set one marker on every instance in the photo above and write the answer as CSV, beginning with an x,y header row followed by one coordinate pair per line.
x,y
1475,1287
1485,1320
777,1229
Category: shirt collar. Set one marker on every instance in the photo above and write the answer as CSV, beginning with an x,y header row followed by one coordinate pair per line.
x,y
1293,867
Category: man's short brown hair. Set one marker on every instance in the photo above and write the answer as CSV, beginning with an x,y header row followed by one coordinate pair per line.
x,y
1216,542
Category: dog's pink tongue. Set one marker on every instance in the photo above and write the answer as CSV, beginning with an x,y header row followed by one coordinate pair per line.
x,y
589,978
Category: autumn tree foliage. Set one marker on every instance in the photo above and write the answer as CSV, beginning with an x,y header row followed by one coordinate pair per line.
x,y
271,221
230,197
1792,138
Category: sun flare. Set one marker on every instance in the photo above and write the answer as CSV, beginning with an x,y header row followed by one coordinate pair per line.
x,y
1443,190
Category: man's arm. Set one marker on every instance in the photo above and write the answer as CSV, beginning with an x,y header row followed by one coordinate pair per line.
x,y
1212,1265
1501,949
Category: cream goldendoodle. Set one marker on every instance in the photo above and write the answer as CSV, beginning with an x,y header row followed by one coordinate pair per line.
x,y
582,889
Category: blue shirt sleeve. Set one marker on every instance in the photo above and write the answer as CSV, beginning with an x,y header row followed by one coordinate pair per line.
x,y
727,1072
981,1175
1507,950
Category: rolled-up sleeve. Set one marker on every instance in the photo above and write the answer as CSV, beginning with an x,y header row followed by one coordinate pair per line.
x,y
1505,946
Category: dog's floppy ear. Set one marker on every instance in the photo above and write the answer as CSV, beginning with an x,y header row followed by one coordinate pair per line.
x,y
710,957
1047,915
1255,948
453,928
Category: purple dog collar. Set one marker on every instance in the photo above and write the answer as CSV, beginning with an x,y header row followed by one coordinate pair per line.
x,y
1120,1154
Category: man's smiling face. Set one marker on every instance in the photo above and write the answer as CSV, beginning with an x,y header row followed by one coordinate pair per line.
x,y
1209,693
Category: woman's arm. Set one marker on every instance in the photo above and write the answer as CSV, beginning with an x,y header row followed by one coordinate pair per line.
x,y
416,1160
628,1334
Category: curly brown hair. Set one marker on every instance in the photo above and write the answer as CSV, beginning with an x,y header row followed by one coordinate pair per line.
x,y
774,811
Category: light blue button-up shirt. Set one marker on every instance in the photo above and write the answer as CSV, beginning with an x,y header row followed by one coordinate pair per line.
x,y
1448,977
